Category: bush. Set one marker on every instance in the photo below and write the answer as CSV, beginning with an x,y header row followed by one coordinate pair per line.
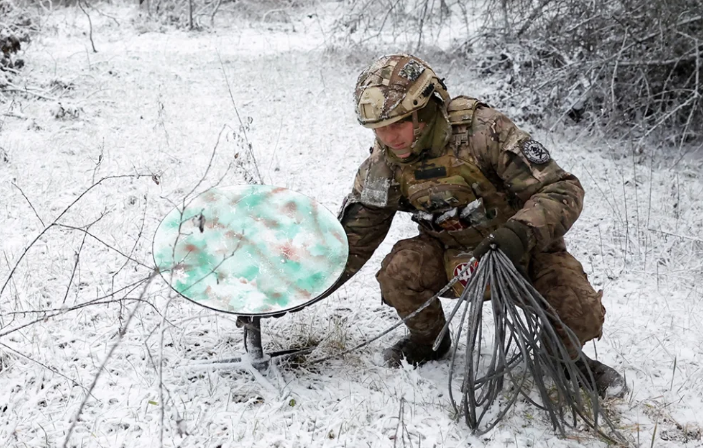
x,y
16,24
632,65
414,19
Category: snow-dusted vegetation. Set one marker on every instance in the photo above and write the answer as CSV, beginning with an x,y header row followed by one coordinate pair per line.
x,y
116,112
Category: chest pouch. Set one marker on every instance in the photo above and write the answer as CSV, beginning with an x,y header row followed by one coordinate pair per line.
x,y
440,194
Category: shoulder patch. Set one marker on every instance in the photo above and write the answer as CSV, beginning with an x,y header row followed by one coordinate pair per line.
x,y
535,152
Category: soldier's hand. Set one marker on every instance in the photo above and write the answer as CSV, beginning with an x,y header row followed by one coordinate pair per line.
x,y
510,238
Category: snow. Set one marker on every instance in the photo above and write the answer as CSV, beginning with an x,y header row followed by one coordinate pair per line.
x,y
152,106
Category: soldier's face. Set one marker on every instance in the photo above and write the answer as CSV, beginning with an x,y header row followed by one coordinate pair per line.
x,y
398,137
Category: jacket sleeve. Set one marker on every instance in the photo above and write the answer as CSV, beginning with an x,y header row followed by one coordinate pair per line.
x,y
365,225
551,198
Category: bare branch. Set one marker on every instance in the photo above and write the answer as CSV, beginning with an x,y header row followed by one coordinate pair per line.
x,y
120,334
90,25
75,266
30,204
60,311
50,369
241,123
55,222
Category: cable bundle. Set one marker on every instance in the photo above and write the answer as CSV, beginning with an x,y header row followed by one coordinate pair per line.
x,y
525,346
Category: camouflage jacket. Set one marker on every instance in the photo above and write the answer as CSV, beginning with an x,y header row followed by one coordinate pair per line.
x,y
489,172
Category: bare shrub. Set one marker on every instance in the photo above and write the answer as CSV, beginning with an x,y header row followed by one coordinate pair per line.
x,y
17,23
628,64
197,14
18,18
414,19
66,111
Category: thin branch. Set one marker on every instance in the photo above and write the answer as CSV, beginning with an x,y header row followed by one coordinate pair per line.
x,y
102,13
120,334
30,204
90,25
50,369
665,117
209,165
87,232
684,58
14,88
55,222
214,12
134,247
241,123
536,12
162,405
60,311
75,266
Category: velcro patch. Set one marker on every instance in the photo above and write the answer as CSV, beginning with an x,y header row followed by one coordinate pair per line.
x,y
465,277
412,70
430,173
535,152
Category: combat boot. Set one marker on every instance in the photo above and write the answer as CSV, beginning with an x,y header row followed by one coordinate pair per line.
x,y
609,383
415,353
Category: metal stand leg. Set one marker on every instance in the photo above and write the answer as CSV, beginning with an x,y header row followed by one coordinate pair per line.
x,y
252,329
252,344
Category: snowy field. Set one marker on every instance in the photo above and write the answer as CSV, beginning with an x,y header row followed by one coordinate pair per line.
x,y
100,146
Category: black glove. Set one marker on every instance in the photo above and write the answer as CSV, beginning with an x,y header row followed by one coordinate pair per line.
x,y
511,238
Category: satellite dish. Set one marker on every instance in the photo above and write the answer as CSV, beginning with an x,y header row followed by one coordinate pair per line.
x,y
251,250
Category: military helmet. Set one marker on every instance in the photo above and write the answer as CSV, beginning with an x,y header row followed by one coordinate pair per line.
x,y
394,87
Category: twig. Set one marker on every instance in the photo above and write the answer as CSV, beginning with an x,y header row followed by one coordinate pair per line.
x,y
75,266
613,99
113,248
162,405
637,201
120,335
214,12
421,26
134,247
533,15
50,369
207,169
685,237
14,88
102,13
190,14
55,222
400,419
30,204
689,57
99,162
15,115
90,25
616,212
60,311
241,123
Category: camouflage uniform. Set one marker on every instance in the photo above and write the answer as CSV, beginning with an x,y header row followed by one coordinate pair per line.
x,y
479,172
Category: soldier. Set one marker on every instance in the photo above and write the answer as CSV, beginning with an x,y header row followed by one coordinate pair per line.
x,y
470,178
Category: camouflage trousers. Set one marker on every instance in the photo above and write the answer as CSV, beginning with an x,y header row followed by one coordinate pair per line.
x,y
417,268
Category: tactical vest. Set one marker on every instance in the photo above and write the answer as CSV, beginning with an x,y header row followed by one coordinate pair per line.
x,y
452,199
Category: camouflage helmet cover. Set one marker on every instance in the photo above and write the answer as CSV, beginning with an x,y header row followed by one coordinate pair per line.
x,y
394,87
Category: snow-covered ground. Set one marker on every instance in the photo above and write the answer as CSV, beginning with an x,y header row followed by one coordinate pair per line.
x,y
152,107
